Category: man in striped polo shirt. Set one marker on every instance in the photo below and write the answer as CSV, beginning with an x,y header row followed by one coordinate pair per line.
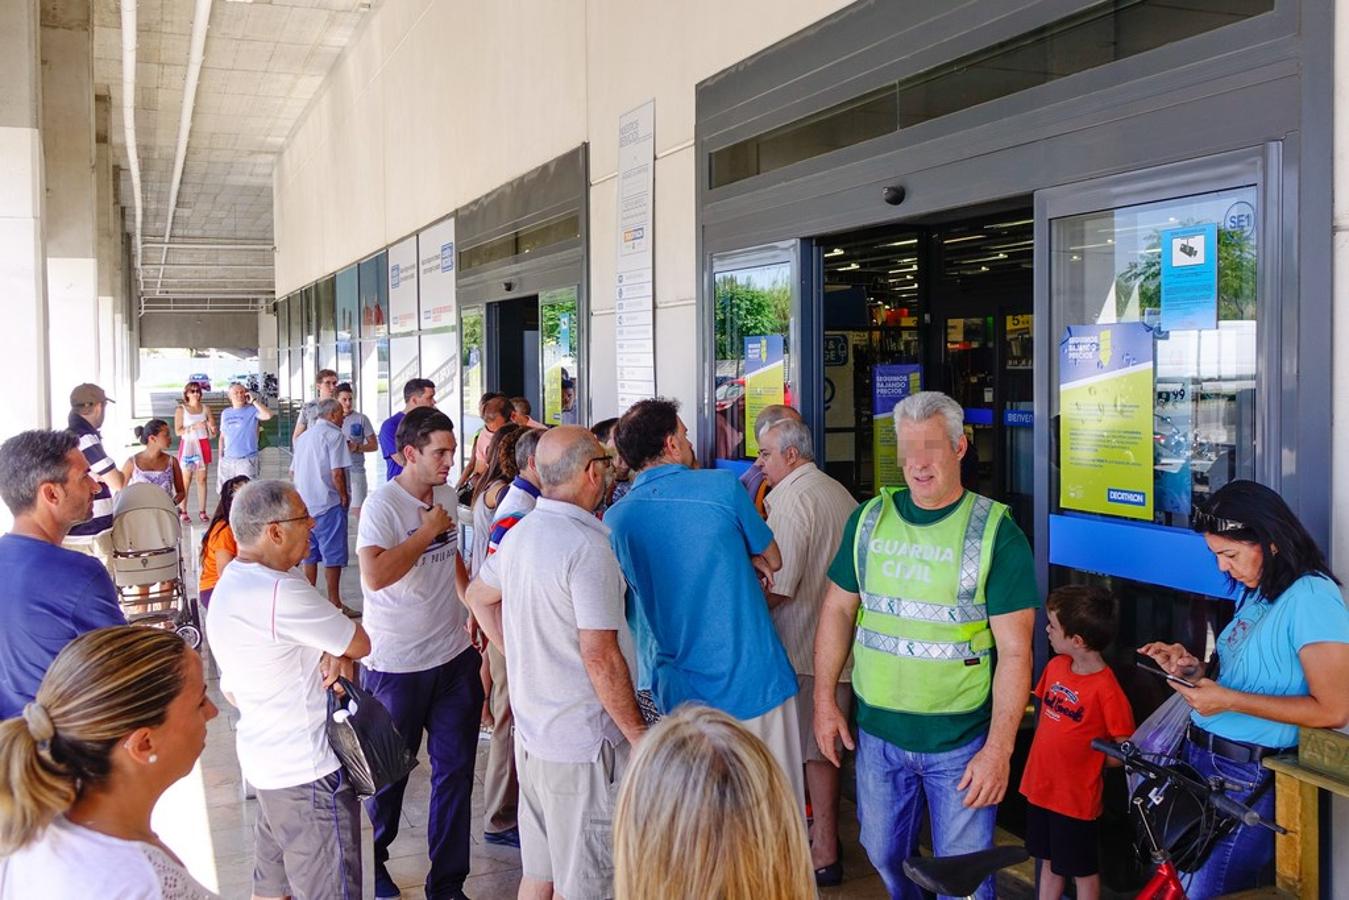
x,y
88,405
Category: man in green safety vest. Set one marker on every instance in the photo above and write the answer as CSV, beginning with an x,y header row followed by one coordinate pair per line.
x,y
928,582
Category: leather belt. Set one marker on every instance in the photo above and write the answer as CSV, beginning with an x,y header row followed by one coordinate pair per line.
x,y
1235,751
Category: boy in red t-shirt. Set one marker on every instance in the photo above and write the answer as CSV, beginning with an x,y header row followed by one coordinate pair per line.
x,y
1080,700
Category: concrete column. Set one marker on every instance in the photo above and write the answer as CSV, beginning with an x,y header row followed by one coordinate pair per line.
x,y
109,224
72,196
23,277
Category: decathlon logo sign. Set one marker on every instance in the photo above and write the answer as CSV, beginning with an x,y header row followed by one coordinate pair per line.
x,y
1131,498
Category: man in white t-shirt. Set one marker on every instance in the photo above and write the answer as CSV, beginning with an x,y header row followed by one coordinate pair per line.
x,y
279,644
422,666
563,630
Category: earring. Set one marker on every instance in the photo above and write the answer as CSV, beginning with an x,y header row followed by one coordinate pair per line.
x,y
153,758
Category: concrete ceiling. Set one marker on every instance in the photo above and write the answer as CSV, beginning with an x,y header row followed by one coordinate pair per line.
x,y
264,61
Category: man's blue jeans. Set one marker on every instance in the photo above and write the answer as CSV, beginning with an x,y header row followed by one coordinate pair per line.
x,y
893,786
446,703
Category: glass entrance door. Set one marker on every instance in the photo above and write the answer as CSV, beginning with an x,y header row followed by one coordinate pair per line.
x,y
755,363
1156,337
559,343
987,368
472,364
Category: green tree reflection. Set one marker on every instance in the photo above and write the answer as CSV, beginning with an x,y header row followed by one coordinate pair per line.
x,y
1236,276
744,308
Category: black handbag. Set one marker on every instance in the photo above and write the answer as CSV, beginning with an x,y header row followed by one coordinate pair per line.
x,y
363,736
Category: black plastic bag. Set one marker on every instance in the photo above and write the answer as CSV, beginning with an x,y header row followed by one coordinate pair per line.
x,y
363,736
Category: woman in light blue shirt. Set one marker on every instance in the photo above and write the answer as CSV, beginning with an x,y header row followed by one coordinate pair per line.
x,y
1282,662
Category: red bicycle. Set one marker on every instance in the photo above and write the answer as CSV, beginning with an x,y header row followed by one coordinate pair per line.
x,y
1195,810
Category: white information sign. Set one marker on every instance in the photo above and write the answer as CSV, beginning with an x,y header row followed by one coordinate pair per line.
x,y
403,287
634,293
435,246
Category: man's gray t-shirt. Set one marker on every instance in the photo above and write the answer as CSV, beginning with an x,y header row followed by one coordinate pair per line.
x,y
557,575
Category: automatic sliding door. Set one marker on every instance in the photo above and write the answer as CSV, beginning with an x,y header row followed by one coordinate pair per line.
x,y
756,295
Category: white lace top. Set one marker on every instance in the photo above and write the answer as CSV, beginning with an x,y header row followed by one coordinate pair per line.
x,y
72,861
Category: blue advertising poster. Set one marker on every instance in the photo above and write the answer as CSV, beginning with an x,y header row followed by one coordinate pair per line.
x,y
1190,278
889,385
765,382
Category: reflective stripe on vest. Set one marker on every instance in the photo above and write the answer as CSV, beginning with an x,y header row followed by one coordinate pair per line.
x,y
885,643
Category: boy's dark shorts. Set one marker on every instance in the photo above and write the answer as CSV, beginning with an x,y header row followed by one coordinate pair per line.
x,y
1071,846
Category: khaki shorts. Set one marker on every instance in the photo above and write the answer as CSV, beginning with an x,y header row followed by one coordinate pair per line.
x,y
566,821
805,711
779,730
229,468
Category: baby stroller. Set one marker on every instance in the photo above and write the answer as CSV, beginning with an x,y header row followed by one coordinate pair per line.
x,y
147,564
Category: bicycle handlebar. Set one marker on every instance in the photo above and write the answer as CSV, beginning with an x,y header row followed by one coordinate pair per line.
x,y
1133,758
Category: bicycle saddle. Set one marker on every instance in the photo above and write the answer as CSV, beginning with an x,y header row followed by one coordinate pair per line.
x,y
960,876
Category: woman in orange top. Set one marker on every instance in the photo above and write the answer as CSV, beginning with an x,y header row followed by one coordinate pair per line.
x,y
218,547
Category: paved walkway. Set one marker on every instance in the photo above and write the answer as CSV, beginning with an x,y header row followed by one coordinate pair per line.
x,y
207,821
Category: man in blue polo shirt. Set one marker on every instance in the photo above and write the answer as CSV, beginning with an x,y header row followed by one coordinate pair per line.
x,y
416,392
49,595
698,560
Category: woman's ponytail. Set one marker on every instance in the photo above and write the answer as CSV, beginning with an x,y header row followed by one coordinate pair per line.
x,y
34,789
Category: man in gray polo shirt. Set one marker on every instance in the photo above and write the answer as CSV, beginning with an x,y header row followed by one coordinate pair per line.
x,y
568,652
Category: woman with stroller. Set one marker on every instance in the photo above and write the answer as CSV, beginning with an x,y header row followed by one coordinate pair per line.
x,y
218,547
154,465
119,717
194,424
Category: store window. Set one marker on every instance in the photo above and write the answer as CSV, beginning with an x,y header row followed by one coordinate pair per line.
x,y
560,338
440,363
1168,291
404,364
348,323
373,398
373,285
1096,36
325,314
753,310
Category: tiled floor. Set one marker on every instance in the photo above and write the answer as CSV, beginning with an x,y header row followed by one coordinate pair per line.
x,y
206,820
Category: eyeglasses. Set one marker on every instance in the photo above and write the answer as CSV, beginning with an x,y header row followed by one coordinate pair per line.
x,y
1211,524
302,518
606,458
194,391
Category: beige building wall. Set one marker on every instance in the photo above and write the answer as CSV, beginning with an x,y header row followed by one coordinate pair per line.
x,y
438,102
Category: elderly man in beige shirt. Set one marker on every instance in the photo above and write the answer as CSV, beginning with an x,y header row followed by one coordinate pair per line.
x,y
807,511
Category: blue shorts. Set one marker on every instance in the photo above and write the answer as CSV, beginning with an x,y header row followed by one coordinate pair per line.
x,y
328,540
